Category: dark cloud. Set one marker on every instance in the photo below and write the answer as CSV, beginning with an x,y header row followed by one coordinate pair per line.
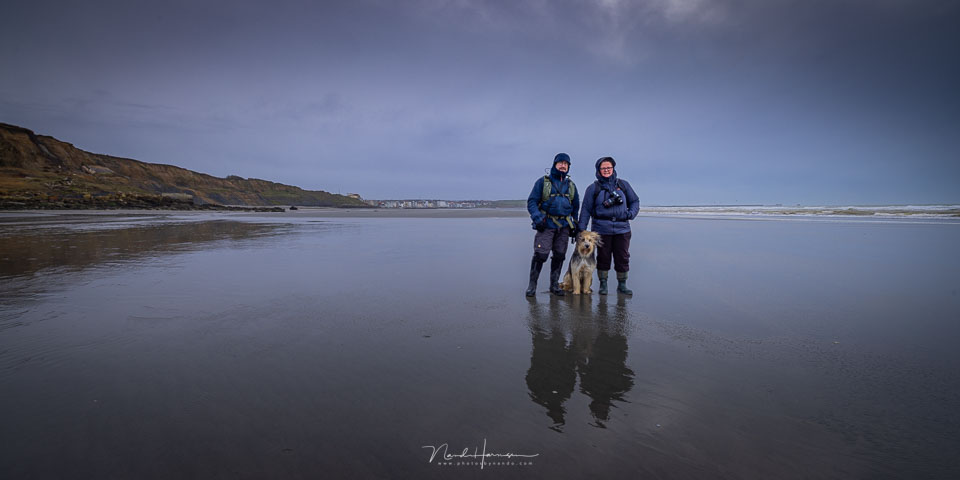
x,y
845,101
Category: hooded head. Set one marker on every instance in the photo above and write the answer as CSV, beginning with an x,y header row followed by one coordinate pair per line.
x,y
612,179
560,158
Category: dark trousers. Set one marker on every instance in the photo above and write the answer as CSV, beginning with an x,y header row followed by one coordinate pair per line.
x,y
551,239
617,246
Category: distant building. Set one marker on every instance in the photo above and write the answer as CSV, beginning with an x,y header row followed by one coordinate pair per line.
x,y
429,203
354,195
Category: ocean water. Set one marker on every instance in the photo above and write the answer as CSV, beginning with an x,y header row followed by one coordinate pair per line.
x,y
309,346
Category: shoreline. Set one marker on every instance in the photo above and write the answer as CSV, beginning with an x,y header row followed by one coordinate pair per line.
x,y
865,212
11,217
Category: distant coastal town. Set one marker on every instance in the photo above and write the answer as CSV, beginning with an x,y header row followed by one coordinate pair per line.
x,y
441,203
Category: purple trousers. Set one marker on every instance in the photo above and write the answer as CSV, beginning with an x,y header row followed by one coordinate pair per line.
x,y
617,246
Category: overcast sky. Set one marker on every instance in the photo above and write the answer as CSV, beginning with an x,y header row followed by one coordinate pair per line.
x,y
700,102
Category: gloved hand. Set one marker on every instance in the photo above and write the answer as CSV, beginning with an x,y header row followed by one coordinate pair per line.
x,y
541,226
537,222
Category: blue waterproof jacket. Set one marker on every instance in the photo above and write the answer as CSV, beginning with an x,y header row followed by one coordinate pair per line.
x,y
614,219
558,206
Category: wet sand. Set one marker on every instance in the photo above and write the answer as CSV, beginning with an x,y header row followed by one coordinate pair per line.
x,y
289,215
199,345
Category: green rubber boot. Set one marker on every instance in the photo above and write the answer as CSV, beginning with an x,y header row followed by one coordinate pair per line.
x,y
622,284
602,275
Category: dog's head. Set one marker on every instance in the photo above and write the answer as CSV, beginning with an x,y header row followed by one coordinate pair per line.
x,y
587,243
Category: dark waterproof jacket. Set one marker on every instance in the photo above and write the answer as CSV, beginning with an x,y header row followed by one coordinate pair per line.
x,y
614,219
557,206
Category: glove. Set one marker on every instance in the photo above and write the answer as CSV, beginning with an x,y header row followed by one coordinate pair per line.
x,y
536,222
540,226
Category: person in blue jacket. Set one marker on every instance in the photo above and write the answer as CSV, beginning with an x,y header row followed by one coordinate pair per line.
x,y
611,203
553,205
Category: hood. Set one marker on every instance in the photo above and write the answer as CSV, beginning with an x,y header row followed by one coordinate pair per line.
x,y
610,181
557,174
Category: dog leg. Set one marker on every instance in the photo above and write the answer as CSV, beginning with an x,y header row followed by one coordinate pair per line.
x,y
576,284
587,283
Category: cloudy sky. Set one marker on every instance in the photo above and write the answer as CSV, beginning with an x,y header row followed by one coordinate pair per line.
x,y
700,102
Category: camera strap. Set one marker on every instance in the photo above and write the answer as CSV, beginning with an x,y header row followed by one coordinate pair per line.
x,y
600,186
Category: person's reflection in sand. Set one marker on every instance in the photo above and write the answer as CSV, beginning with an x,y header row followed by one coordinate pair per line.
x,y
570,337
552,374
604,375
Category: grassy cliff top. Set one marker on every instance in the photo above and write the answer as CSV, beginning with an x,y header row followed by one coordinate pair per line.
x,y
34,165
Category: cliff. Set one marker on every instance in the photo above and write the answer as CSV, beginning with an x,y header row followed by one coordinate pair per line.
x,y
40,167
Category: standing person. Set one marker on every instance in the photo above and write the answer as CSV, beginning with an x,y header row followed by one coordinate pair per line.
x,y
611,203
553,205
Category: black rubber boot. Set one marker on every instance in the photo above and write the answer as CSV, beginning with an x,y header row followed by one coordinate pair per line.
x,y
622,284
555,265
602,275
535,266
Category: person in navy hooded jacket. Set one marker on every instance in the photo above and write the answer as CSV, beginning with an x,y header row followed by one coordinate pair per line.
x,y
553,205
611,203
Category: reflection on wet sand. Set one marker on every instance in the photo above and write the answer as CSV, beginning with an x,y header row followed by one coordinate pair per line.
x,y
552,374
26,253
573,337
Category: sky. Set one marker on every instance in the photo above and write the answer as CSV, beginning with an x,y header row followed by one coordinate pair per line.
x,y
700,102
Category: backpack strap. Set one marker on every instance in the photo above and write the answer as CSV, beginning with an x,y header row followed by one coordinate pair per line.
x,y
548,192
596,191
547,188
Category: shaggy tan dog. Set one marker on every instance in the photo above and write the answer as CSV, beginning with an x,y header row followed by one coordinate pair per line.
x,y
579,276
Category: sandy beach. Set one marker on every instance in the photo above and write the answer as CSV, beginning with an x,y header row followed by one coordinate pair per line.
x,y
205,345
